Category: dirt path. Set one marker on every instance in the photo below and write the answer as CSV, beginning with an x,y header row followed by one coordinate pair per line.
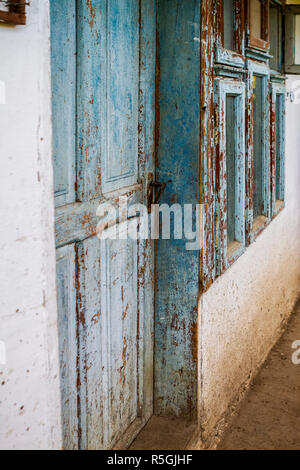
x,y
269,418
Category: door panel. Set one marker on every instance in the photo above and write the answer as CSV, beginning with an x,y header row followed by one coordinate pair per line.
x,y
119,288
108,95
122,105
108,321
105,288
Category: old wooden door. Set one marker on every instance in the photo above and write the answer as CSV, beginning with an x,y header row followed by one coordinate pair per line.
x,y
103,82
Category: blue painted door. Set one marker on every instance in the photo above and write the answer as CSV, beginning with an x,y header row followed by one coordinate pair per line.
x,y
103,82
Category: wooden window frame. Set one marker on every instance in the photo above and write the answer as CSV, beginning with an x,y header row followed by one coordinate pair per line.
x,y
279,38
214,257
255,227
207,150
290,12
16,14
226,56
253,41
225,256
277,89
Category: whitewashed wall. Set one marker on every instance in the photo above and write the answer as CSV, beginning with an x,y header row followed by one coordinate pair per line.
x,y
29,388
241,314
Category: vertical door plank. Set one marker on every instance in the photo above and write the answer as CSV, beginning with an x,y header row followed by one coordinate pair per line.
x,y
67,324
177,270
63,60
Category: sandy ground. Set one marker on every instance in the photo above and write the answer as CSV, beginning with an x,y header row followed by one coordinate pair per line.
x,y
269,418
164,434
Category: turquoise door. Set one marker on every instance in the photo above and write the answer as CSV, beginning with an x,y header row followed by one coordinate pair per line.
x,y
103,84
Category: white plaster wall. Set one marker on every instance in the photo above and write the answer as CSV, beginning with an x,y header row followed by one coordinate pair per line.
x,y
241,314
29,388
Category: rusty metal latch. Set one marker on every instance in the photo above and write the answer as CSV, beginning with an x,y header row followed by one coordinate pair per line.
x,y
155,190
